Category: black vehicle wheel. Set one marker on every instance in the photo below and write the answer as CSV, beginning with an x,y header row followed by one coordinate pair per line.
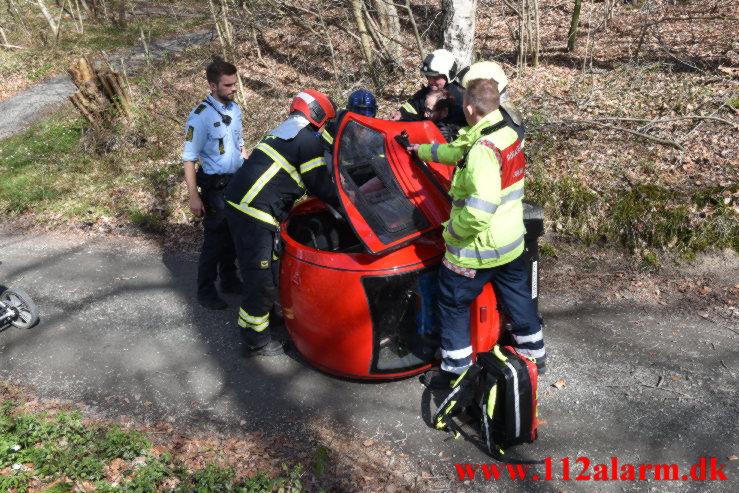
x,y
26,310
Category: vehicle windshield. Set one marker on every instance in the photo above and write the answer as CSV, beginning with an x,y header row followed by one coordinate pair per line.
x,y
375,192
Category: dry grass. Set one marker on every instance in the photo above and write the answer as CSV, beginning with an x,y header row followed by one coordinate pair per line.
x,y
683,66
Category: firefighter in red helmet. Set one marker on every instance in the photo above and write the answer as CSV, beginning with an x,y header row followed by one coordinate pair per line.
x,y
287,163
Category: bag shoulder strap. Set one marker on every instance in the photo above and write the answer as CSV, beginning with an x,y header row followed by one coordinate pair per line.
x,y
461,396
489,130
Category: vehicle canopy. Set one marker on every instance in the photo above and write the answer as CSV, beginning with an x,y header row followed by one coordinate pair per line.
x,y
390,198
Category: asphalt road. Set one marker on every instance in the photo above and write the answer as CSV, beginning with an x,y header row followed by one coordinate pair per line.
x,y
120,330
35,103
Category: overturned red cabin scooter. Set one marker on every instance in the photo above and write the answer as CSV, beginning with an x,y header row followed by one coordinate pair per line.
x,y
358,293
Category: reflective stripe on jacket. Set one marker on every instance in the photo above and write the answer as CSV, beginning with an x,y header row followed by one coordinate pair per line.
x,y
279,172
486,227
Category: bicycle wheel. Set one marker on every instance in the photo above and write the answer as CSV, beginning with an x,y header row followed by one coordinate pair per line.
x,y
25,308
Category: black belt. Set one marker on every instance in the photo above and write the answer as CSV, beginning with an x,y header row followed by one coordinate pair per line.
x,y
212,181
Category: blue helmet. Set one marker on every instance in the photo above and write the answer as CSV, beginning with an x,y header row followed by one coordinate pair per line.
x,y
363,102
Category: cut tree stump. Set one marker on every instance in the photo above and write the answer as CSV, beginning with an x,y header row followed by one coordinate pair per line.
x,y
101,94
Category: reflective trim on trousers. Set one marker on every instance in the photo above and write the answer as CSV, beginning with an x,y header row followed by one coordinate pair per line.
x,y
484,254
535,337
457,370
534,353
257,324
457,353
255,328
252,318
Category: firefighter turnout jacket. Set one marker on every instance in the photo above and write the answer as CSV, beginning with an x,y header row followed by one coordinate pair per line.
x,y
278,172
485,228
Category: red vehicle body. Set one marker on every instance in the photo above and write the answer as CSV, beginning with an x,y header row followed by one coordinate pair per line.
x,y
358,291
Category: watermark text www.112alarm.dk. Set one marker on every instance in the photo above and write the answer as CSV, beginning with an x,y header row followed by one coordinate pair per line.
x,y
582,469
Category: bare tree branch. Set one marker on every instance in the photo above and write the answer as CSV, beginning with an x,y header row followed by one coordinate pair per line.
x,y
667,142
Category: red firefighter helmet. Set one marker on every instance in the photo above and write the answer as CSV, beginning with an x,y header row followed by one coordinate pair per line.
x,y
314,105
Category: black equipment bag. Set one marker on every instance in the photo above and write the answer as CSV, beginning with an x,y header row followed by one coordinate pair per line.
x,y
501,388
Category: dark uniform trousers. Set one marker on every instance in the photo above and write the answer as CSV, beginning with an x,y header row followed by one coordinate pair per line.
x,y
260,196
457,292
259,261
217,256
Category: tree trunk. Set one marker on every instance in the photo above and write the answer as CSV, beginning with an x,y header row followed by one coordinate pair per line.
x,y
100,91
122,14
459,28
53,25
363,34
572,35
387,14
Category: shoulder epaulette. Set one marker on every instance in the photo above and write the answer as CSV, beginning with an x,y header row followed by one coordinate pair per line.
x,y
200,109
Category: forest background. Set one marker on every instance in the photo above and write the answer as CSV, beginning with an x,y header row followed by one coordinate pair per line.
x,y
630,109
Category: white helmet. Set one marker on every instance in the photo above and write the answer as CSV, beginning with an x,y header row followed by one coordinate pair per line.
x,y
440,62
484,70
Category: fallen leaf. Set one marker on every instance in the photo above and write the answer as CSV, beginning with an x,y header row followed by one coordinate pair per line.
x,y
675,378
147,403
368,443
732,457
704,315
126,400
559,384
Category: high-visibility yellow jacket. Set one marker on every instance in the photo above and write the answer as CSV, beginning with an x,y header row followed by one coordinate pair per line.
x,y
485,228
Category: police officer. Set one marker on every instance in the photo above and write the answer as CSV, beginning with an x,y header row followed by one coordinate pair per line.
x,y
485,233
213,134
440,70
287,162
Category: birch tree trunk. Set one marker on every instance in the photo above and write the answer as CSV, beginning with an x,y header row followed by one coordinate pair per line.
x,y
459,28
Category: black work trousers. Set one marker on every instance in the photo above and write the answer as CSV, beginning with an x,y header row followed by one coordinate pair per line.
x,y
257,248
217,256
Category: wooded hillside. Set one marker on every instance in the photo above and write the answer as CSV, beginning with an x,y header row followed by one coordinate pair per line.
x,y
632,134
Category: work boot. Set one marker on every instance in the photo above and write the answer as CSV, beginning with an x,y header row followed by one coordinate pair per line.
x,y
272,348
541,365
213,303
426,352
438,380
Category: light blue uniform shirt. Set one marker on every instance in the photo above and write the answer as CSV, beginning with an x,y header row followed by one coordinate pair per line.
x,y
209,138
